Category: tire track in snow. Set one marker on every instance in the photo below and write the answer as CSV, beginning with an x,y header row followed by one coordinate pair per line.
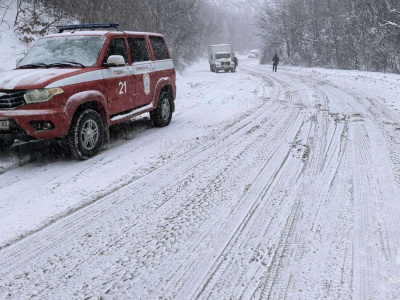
x,y
73,228
300,219
254,211
283,288
247,205
235,128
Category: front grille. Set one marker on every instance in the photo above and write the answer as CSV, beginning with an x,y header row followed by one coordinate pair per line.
x,y
226,63
11,98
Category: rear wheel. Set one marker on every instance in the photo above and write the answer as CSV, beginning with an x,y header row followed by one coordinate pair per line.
x,y
86,134
162,115
5,144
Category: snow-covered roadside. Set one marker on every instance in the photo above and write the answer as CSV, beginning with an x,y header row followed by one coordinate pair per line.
x,y
10,45
52,186
388,91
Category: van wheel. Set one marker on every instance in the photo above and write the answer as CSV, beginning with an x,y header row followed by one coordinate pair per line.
x,y
162,115
6,144
86,134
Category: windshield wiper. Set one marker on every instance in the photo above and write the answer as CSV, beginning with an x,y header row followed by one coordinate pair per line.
x,y
65,64
33,66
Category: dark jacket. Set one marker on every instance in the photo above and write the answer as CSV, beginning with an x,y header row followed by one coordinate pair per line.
x,y
275,59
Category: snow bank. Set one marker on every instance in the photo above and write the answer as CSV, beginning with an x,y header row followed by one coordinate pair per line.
x,y
11,48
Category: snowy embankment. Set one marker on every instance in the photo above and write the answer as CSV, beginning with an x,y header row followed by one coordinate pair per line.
x,y
265,186
11,47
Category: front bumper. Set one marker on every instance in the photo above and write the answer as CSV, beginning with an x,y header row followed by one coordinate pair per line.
x,y
21,124
224,67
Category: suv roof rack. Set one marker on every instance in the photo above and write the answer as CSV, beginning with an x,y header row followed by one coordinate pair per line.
x,y
61,29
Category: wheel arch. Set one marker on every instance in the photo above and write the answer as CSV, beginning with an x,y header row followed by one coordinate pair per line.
x,y
88,100
164,84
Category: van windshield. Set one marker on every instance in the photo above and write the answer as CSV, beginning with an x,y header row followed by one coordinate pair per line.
x,y
222,55
84,50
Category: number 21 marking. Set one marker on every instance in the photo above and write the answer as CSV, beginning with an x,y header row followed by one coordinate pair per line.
x,y
122,86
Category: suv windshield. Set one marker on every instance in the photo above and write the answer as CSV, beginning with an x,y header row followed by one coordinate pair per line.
x,y
83,50
222,55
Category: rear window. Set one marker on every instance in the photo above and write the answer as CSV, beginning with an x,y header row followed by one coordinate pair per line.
x,y
159,48
139,49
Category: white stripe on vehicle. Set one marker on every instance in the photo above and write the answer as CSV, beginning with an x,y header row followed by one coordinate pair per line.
x,y
134,69
9,82
162,65
80,78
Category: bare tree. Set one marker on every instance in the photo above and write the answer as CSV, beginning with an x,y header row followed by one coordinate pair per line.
x,y
358,34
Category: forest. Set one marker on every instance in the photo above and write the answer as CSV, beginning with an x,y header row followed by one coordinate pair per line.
x,y
188,25
356,34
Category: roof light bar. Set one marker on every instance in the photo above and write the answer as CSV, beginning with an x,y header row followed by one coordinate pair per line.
x,y
61,29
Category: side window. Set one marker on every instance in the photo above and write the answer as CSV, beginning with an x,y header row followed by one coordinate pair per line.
x,y
139,49
159,48
117,47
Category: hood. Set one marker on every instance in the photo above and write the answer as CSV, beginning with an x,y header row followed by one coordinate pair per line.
x,y
21,79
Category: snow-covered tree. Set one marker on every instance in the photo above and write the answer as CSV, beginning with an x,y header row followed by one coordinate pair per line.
x,y
358,34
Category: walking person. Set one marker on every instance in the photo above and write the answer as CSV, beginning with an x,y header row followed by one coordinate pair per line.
x,y
275,61
236,62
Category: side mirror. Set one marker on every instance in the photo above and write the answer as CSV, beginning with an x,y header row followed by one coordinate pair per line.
x,y
116,61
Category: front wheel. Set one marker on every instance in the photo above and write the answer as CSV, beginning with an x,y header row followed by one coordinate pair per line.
x,y
5,144
162,115
86,134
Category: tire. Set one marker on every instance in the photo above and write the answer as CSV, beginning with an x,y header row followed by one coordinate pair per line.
x,y
6,145
162,115
86,135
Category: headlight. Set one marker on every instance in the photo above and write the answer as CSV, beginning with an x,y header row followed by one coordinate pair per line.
x,y
38,96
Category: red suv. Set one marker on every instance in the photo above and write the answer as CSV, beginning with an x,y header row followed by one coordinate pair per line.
x,y
75,84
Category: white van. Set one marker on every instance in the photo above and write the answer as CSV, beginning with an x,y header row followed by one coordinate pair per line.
x,y
220,58
254,54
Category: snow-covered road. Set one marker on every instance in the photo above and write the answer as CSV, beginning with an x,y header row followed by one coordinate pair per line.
x,y
265,186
